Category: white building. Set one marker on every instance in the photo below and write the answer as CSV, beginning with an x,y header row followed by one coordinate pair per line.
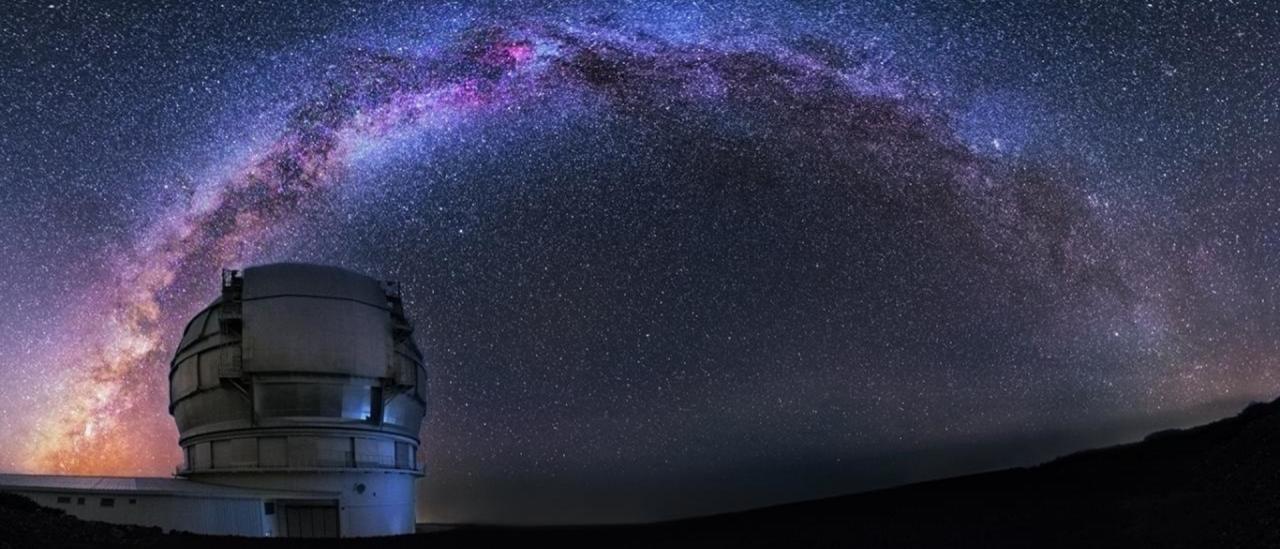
x,y
298,395
177,504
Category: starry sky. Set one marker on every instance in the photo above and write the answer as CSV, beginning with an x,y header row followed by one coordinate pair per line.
x,y
664,258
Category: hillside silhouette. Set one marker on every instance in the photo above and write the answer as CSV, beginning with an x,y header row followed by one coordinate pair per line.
x,y
1215,485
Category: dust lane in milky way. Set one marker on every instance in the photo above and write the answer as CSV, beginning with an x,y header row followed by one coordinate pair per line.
x,y
837,255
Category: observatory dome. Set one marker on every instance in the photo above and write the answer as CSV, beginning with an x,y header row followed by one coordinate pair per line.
x,y
304,377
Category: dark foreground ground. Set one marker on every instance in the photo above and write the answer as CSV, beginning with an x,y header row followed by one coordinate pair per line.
x,y
1217,485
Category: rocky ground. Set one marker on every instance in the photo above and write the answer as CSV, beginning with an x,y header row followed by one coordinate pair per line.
x,y
1217,485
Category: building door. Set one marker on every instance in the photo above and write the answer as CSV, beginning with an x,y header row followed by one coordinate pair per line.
x,y
311,520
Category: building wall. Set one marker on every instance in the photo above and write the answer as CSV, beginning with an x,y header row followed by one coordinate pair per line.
x,y
202,515
369,504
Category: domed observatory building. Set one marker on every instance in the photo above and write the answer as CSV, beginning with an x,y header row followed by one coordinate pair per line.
x,y
304,379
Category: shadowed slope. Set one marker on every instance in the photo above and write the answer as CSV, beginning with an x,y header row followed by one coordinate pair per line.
x,y
1213,485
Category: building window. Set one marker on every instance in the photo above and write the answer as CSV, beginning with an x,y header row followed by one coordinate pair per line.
x,y
269,507
333,401
132,501
64,499
79,501
108,502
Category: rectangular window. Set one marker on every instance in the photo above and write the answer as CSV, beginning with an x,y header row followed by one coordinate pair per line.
x,y
203,456
375,453
320,452
239,452
269,507
133,501
64,499
272,452
328,400
108,502
79,501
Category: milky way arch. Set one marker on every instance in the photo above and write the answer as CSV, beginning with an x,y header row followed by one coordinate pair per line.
x,y
870,129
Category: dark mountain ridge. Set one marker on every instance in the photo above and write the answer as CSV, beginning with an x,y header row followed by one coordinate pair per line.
x,y
1216,485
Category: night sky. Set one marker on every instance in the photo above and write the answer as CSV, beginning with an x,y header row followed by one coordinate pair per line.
x,y
663,259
